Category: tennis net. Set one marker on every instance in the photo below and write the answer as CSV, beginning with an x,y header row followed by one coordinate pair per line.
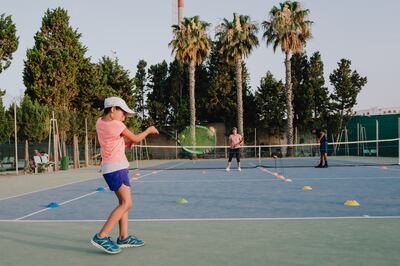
x,y
356,153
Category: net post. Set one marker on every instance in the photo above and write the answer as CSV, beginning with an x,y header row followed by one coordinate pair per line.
x,y
259,155
377,137
255,142
398,147
358,139
136,157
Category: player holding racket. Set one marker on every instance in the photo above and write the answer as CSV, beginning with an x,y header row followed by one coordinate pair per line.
x,y
112,132
235,140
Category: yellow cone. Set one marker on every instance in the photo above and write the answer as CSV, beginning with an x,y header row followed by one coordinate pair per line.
x,y
352,203
307,188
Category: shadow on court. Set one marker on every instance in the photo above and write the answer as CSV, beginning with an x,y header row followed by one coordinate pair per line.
x,y
236,242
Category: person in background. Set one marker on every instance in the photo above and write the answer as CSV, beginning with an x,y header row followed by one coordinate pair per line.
x,y
235,140
323,147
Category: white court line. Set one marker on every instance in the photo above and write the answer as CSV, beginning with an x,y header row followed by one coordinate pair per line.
x,y
213,219
65,202
268,180
45,189
83,196
343,178
388,168
210,180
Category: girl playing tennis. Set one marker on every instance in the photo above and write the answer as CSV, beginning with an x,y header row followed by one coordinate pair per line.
x,y
235,140
112,134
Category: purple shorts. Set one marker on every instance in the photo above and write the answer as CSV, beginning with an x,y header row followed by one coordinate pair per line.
x,y
116,179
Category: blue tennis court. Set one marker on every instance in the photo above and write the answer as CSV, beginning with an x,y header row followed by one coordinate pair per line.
x,y
256,195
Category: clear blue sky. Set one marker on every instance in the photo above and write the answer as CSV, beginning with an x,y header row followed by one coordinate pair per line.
x,y
364,31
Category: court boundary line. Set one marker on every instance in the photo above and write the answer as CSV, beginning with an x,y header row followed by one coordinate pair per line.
x,y
386,169
215,219
82,196
50,188
211,180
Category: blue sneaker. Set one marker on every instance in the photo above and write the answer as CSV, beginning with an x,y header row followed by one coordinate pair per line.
x,y
105,244
130,241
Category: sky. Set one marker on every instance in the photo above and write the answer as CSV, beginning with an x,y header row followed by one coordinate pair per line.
x,y
363,31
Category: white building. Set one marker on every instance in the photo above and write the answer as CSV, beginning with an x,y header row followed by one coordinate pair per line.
x,y
378,111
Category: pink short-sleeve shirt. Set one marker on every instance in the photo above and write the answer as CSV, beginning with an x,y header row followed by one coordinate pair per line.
x,y
112,145
235,140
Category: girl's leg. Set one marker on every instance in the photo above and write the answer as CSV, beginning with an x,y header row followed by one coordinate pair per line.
x,y
124,196
123,222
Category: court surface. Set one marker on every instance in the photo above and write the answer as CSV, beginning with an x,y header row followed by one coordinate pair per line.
x,y
253,217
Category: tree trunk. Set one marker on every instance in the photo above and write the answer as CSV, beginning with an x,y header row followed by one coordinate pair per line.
x,y
239,93
76,152
192,69
289,101
26,168
64,144
86,145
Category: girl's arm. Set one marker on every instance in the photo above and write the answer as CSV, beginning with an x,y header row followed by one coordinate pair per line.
x,y
139,137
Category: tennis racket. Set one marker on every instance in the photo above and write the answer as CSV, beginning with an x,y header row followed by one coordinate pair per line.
x,y
198,140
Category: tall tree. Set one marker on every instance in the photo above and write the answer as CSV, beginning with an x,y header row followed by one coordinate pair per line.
x,y
178,87
52,67
237,39
140,82
115,77
320,94
6,126
158,96
53,63
288,27
88,103
347,85
221,94
33,121
8,45
302,94
191,45
270,103
115,81
8,41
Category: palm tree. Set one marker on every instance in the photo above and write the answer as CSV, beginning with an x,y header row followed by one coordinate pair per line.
x,y
288,27
191,45
236,40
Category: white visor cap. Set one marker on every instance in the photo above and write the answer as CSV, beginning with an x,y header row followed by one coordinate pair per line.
x,y
118,102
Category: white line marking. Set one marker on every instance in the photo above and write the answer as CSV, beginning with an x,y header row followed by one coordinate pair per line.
x,y
80,197
265,180
210,180
387,168
50,188
212,219
61,204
